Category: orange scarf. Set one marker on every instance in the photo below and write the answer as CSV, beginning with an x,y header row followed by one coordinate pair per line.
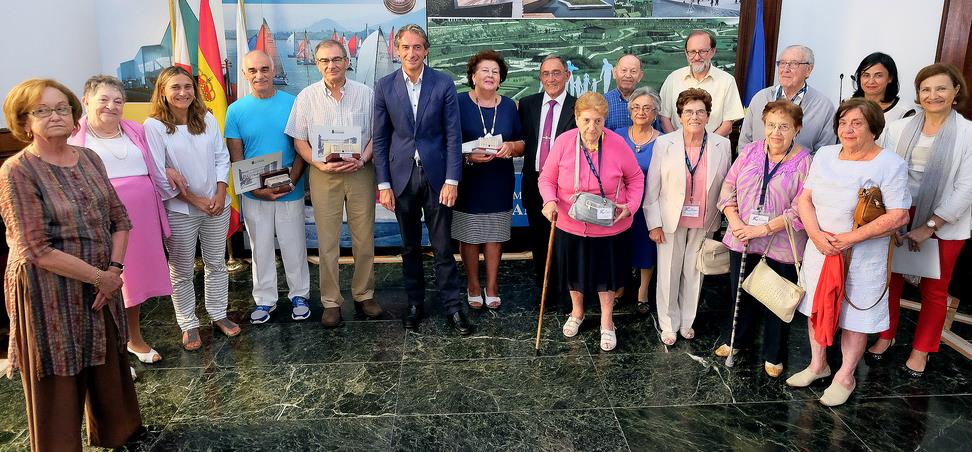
x,y
825,313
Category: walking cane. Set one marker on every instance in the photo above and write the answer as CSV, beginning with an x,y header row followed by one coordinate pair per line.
x,y
546,276
735,311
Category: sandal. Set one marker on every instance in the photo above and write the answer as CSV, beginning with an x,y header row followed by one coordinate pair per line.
x,y
609,340
643,307
227,327
723,351
493,302
572,325
190,339
668,338
475,302
688,334
148,357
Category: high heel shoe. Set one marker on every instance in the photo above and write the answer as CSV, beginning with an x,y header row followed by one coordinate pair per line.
x,y
915,373
877,357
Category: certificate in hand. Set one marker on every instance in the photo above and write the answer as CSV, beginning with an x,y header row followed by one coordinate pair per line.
x,y
246,173
923,263
335,143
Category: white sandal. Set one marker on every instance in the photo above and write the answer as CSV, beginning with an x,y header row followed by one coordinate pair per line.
x,y
146,357
492,302
668,337
572,325
475,302
609,340
688,334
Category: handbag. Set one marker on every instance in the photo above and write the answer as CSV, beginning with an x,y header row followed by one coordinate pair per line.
x,y
870,206
585,206
712,258
780,295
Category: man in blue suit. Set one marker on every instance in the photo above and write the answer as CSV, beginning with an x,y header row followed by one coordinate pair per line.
x,y
418,160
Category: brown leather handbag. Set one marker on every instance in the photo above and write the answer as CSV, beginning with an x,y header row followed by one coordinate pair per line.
x,y
870,206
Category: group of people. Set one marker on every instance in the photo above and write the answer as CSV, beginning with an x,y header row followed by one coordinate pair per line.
x,y
97,207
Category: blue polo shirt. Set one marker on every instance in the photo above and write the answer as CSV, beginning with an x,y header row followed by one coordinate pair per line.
x,y
260,124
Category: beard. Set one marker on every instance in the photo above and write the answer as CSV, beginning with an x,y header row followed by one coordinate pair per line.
x,y
698,68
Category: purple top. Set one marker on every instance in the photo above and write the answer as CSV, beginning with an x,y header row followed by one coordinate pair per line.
x,y
741,189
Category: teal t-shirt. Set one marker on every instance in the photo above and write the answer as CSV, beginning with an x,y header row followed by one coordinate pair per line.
x,y
260,124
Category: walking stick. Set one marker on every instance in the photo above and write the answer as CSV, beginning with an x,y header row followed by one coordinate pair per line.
x,y
735,311
546,276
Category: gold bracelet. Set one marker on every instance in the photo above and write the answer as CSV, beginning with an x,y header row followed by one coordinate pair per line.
x,y
769,230
97,281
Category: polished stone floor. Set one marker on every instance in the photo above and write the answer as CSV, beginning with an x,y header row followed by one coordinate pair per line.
x,y
372,386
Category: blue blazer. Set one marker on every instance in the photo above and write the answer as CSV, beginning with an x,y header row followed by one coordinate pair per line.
x,y
434,130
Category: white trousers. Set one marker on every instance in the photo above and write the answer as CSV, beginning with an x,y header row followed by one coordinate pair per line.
x,y
285,220
211,235
679,282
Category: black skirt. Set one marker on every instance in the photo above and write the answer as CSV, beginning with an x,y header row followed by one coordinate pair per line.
x,y
592,264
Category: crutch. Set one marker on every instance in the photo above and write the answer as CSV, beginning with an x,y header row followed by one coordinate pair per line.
x,y
546,277
735,311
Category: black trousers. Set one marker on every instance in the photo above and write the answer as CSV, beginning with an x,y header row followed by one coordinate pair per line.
x,y
775,331
418,198
539,229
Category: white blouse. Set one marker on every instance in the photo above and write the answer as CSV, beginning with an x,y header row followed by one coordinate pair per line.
x,y
120,156
202,159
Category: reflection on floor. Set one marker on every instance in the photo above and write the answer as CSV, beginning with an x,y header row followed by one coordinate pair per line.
x,y
372,386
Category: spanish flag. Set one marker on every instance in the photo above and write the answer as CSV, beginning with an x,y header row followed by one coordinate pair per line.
x,y
212,86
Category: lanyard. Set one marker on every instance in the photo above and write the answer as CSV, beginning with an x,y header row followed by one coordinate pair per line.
x,y
590,163
767,174
797,98
482,119
691,168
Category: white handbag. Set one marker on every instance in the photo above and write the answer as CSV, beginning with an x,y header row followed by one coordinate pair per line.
x,y
713,258
780,295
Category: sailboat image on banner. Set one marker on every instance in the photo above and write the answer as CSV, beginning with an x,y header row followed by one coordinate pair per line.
x,y
266,43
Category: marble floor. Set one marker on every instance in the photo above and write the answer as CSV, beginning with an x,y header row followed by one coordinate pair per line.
x,y
371,385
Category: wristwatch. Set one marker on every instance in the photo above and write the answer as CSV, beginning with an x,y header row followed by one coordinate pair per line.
x,y
931,224
117,265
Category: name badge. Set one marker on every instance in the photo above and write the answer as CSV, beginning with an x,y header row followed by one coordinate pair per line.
x,y
758,219
490,142
605,213
691,211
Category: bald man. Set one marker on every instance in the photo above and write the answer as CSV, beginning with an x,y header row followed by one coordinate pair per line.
x,y
254,127
627,74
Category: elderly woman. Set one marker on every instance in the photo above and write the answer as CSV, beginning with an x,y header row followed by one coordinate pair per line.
x,y
183,135
759,194
483,213
123,150
643,105
793,69
67,232
681,209
591,258
877,81
937,145
826,207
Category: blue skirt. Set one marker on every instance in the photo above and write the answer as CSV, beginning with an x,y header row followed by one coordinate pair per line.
x,y
642,247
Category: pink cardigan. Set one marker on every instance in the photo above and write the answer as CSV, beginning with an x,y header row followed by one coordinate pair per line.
x,y
619,165
136,133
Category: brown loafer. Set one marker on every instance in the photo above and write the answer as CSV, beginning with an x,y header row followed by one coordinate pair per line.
x,y
369,307
332,317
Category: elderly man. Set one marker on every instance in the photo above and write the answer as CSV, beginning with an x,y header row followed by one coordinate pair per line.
x,y
543,116
627,73
700,48
418,158
336,184
255,127
792,69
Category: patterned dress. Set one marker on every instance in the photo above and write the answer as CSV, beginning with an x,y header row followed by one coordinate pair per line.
x,y
74,210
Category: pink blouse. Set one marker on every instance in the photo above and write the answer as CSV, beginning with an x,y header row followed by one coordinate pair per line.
x,y
617,166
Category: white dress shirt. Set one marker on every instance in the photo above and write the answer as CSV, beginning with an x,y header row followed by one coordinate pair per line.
x,y
544,107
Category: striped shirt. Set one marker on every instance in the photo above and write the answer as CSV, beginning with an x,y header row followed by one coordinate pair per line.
x,y
75,210
315,107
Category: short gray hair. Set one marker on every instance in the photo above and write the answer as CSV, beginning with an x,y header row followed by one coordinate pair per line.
x,y
646,91
807,52
414,29
97,81
554,56
330,43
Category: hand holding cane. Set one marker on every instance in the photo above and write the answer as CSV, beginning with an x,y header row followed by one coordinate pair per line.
x,y
546,277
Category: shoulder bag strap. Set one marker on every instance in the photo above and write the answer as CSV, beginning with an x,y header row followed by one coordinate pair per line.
x,y
577,163
887,282
796,259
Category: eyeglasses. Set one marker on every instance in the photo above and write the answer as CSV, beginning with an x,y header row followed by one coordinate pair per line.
x,y
326,61
641,108
552,74
790,64
43,112
854,123
783,128
697,53
694,112
488,71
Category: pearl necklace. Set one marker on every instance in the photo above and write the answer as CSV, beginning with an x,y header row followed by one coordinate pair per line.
x,y
651,136
117,134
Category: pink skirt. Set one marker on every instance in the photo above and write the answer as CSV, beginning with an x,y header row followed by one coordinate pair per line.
x,y
146,272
